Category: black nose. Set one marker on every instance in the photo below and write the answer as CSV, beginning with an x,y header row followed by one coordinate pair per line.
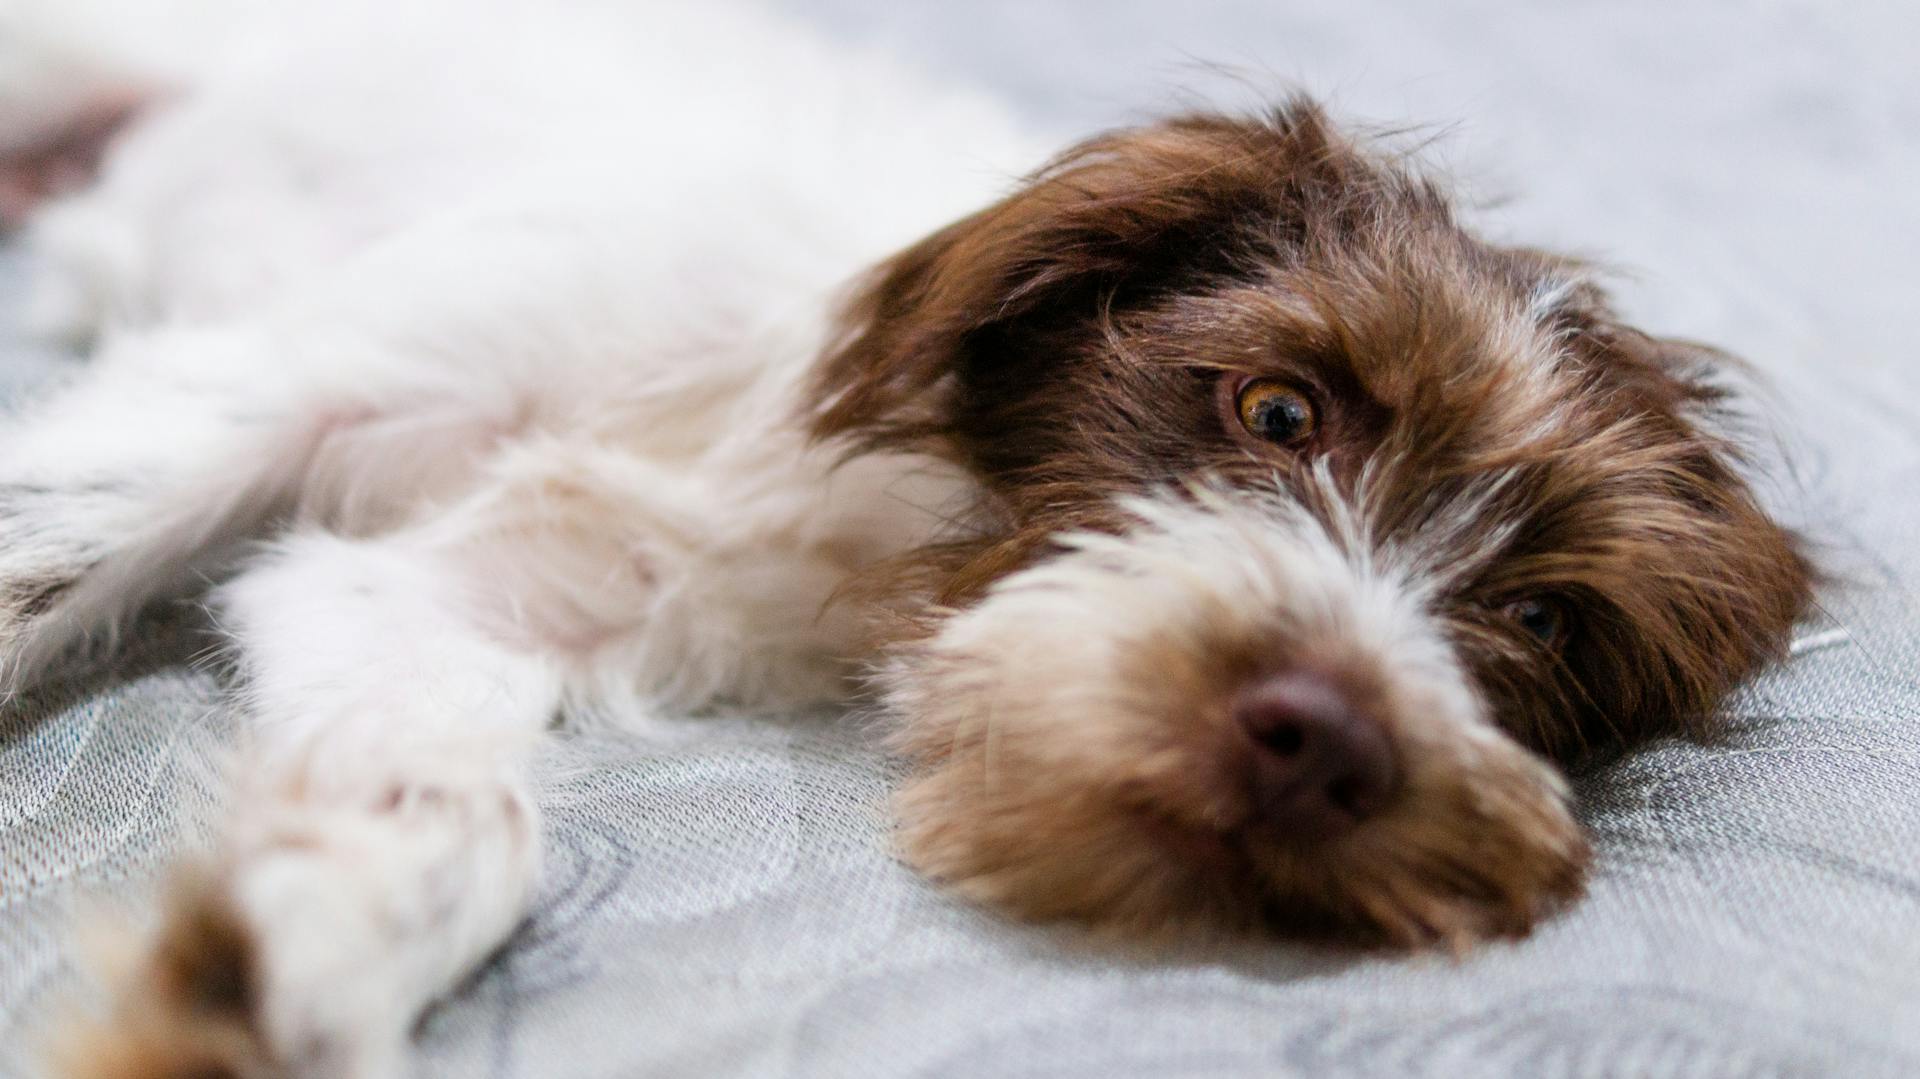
x,y
1320,764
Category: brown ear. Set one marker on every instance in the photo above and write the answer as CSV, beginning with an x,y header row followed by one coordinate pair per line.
x,y
1708,391
1741,579
1111,220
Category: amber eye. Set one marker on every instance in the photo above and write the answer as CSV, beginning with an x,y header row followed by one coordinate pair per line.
x,y
1545,618
1276,411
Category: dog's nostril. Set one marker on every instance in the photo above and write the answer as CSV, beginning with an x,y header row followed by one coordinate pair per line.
x,y
1286,740
1349,794
1320,763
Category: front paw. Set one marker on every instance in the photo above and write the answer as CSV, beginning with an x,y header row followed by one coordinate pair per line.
x,y
53,539
184,1007
206,999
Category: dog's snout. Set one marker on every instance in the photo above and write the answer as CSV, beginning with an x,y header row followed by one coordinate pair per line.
x,y
1320,763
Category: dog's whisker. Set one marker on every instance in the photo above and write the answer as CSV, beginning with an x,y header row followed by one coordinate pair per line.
x,y
1809,643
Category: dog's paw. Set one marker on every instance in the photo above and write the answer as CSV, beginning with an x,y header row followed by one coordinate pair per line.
x,y
28,595
185,1005
207,998
33,638
53,537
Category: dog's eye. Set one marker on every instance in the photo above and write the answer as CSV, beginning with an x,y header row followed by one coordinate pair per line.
x,y
1276,411
1544,617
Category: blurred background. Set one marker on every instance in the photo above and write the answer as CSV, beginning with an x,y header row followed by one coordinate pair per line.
x,y
1754,165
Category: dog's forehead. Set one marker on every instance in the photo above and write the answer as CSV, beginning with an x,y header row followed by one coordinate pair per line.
x,y
1438,345
1455,364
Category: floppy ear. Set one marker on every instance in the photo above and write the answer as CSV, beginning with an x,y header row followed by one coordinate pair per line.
x,y
1675,375
1712,392
1113,220
1747,577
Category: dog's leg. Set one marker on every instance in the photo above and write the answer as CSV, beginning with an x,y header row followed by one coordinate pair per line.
x,y
383,837
138,479
112,487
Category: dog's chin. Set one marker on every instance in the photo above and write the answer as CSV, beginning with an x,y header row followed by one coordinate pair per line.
x,y
1457,860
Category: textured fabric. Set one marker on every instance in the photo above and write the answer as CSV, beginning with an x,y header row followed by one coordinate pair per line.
x,y
719,900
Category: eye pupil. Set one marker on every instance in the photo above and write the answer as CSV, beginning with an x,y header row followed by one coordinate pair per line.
x,y
1283,418
1277,412
1541,618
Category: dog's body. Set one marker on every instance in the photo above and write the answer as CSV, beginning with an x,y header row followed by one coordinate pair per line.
x,y
1234,536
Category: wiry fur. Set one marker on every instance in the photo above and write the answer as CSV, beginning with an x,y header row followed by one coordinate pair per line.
x,y
1145,817
480,410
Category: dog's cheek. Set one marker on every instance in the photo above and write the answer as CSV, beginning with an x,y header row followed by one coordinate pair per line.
x,y
1004,835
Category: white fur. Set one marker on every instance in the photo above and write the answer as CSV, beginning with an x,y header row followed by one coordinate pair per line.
x,y
386,835
497,311
503,308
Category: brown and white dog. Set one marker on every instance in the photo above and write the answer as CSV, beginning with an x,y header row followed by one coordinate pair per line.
x,y
1236,540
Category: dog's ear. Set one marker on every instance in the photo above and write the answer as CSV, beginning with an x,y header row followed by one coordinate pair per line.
x,y
1730,593
1699,384
1114,220
1702,387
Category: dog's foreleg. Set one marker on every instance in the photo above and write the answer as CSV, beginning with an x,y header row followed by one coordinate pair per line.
x,y
139,478
383,836
114,486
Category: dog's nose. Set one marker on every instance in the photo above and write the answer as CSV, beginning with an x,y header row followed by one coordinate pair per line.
x,y
1320,763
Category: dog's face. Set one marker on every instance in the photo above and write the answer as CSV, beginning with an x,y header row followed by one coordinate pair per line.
x,y
1313,530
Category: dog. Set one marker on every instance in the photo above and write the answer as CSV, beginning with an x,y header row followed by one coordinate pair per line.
x,y
1235,541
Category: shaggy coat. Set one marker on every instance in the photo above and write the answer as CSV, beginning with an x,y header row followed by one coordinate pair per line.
x,y
1235,541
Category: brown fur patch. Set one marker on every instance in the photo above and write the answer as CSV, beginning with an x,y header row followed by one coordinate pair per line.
x,y
186,1011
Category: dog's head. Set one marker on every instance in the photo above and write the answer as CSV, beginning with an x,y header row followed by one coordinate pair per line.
x,y
1312,530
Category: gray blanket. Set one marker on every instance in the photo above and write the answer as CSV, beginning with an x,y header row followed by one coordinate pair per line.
x,y
721,900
